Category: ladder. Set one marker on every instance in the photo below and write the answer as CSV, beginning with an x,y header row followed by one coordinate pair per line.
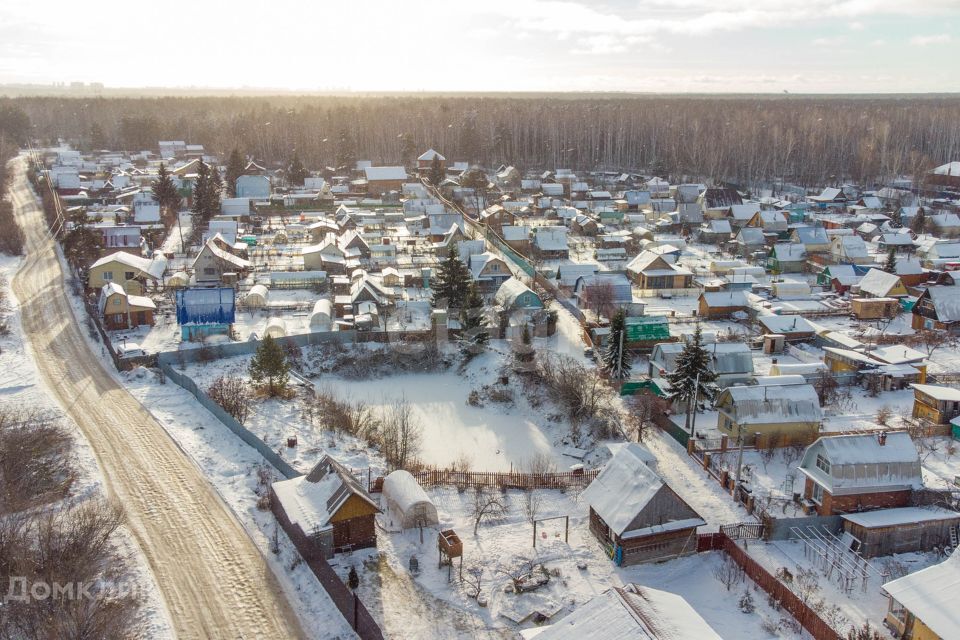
x,y
953,536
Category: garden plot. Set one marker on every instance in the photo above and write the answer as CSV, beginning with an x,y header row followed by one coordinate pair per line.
x,y
464,414
838,607
503,549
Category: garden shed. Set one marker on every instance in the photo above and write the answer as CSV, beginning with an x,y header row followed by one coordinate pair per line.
x,y
407,505
257,298
275,328
907,529
322,315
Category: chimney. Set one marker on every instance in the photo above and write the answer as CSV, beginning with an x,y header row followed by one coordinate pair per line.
x,y
882,438
773,361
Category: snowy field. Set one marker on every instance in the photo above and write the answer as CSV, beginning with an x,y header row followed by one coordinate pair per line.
x,y
21,386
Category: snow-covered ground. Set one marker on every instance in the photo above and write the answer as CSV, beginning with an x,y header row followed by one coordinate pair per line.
x,y
22,386
507,544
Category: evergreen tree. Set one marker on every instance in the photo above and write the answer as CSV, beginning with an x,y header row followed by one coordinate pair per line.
x,y
890,266
296,172
165,193
473,319
919,221
616,359
452,281
436,174
81,245
270,364
353,580
235,166
206,194
693,362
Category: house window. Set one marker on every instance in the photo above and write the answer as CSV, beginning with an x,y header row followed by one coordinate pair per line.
x,y
128,275
817,493
108,275
823,464
116,302
209,271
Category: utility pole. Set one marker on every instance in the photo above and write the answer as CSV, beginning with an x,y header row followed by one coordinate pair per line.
x,y
692,405
736,482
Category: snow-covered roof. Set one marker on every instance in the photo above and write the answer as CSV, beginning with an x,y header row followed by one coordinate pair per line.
x,y
900,516
878,283
510,291
429,155
623,488
512,233
949,394
725,298
311,500
725,357
859,462
931,594
790,252
404,491
631,613
551,238
786,324
948,169
946,302
153,268
774,404
385,173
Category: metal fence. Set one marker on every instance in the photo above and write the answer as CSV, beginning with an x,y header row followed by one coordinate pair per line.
x,y
229,421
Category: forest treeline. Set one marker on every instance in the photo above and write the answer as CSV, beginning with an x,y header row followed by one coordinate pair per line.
x,y
810,140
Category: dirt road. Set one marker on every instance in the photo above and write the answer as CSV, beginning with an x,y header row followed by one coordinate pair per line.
x,y
212,577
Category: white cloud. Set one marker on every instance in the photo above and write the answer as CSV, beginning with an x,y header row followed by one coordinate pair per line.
x,y
923,41
856,26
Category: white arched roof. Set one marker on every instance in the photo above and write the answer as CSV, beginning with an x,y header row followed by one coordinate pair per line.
x,y
257,296
275,328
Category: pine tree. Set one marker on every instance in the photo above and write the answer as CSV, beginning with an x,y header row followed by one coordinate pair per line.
x,y
165,193
919,221
296,172
616,359
452,281
81,245
216,188
201,191
235,166
472,317
693,362
353,580
270,364
436,171
890,266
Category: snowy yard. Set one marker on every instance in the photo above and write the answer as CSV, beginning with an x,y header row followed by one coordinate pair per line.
x,y
504,545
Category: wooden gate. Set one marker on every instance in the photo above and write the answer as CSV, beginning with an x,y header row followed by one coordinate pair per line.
x,y
743,530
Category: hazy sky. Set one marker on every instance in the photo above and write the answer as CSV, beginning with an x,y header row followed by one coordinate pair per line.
x,y
486,45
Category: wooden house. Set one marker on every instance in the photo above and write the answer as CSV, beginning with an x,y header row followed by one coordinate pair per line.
x,y
938,308
781,415
874,308
489,271
715,202
787,258
923,605
721,304
425,160
813,239
517,238
122,311
731,361
326,511
849,250
496,217
935,404
132,273
381,180
850,473
793,327
635,515
214,261
550,243
880,284
651,271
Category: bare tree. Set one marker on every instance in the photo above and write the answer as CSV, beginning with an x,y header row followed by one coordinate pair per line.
x,y
487,505
35,464
806,584
826,386
400,434
532,503
930,340
642,410
233,396
473,578
728,572
541,463
600,297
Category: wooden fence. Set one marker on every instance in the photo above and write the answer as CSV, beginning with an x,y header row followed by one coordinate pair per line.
x,y
777,590
506,479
